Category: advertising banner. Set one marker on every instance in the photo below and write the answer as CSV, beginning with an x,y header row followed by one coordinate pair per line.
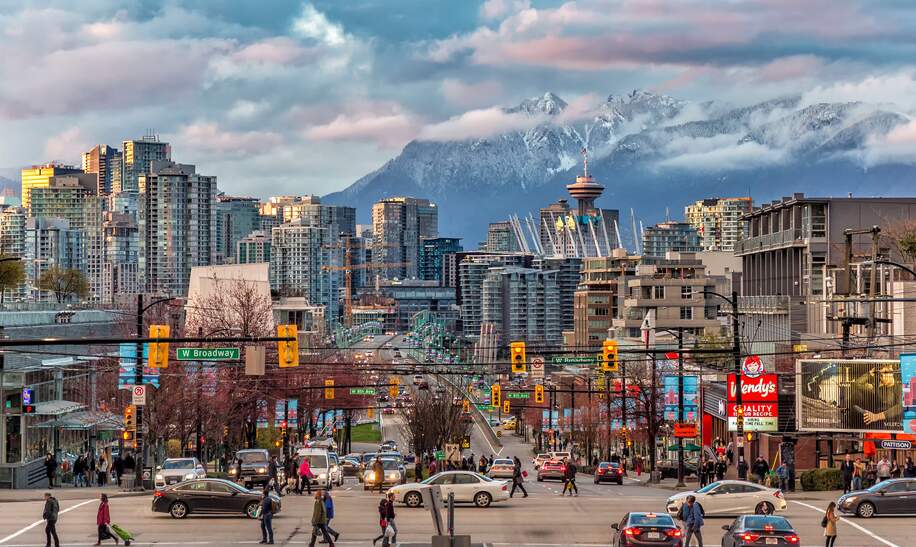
x,y
760,399
757,416
127,369
690,399
908,381
763,388
851,395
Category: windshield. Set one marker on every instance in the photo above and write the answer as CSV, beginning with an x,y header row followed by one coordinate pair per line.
x,y
653,520
761,523
707,488
178,464
317,461
390,464
503,462
252,457
368,457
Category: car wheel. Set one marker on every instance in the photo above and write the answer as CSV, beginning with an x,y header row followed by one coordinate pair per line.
x,y
482,499
178,510
413,499
866,510
764,508
252,510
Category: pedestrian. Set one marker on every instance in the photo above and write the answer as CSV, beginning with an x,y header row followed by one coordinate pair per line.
x,y
730,452
329,511
829,524
693,521
701,471
895,470
103,521
378,471
858,473
742,468
267,517
569,475
761,469
418,469
490,460
272,474
389,516
909,470
129,464
52,508
846,470
782,473
292,473
432,468
50,469
482,465
118,468
517,478
721,467
883,469
320,520
305,475
102,470
871,474
382,521
710,471
78,467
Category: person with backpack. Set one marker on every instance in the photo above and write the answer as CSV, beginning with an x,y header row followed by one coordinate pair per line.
x,y
692,514
329,510
267,517
320,521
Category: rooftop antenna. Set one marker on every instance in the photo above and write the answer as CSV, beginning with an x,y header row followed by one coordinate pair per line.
x,y
585,160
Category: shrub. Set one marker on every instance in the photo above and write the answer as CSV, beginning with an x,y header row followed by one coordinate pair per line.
x,y
821,479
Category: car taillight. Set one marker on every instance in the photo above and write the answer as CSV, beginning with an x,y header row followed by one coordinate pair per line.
x,y
620,471
601,471
792,539
674,533
778,494
631,532
158,494
749,537
505,487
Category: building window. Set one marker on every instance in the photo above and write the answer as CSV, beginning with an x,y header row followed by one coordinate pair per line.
x,y
658,292
686,292
686,313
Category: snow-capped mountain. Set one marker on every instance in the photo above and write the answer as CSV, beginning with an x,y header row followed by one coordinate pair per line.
x,y
651,151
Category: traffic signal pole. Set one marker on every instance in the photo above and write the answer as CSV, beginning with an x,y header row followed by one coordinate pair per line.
x,y
138,381
680,405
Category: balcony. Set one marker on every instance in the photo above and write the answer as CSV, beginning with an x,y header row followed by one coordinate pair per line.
x,y
778,240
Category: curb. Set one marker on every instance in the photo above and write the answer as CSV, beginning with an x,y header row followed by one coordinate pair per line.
x,y
112,495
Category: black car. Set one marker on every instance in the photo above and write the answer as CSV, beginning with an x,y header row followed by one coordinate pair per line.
x,y
892,497
208,496
752,530
644,529
609,472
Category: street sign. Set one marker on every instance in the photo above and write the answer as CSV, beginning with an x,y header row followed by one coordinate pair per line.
x,y
893,444
139,393
537,367
453,453
466,442
482,406
439,455
685,430
362,391
208,354
574,360
517,395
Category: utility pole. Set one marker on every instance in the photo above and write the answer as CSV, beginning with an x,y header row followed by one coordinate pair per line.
x,y
138,381
680,405
736,350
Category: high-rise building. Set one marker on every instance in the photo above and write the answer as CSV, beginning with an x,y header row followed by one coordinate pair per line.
x,y
432,253
50,242
472,269
177,225
600,296
39,176
300,257
522,304
104,161
398,225
668,236
562,231
12,243
501,238
120,271
137,159
236,217
718,221
253,248
339,219
568,273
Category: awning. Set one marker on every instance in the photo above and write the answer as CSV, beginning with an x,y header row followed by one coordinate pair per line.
x,y
83,420
56,408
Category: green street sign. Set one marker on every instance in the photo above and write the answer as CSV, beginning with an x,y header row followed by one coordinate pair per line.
x,y
482,406
362,391
208,354
574,360
439,455
517,395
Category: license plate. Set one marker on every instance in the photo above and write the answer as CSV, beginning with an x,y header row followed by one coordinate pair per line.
x,y
653,535
772,541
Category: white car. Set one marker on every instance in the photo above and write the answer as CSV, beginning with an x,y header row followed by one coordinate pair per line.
x,y
539,460
337,474
502,468
175,470
466,485
732,498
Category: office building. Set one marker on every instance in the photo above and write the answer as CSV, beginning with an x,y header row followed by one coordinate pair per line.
x,y
568,273
472,270
301,256
501,238
522,304
236,217
718,221
398,225
104,161
600,295
253,248
432,256
670,236
12,243
39,176
137,159
407,297
177,224
121,268
50,242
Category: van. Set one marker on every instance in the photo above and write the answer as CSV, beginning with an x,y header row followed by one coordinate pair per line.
x,y
320,464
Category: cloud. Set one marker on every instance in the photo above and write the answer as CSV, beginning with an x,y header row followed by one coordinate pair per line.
x,y
749,155
479,124
472,95
244,109
211,138
67,145
895,88
315,25
497,9
388,127
897,146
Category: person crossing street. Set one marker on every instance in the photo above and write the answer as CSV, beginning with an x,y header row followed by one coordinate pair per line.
x,y
329,510
51,511
517,479
320,521
569,476
267,518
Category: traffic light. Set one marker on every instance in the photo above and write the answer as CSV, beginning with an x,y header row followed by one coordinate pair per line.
x,y
329,389
494,395
370,413
539,394
393,388
506,406
158,351
288,351
609,361
127,436
517,354
130,423
466,406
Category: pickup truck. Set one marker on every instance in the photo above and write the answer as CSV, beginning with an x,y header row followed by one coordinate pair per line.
x,y
254,466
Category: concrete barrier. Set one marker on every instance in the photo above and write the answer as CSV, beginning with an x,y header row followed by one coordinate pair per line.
x,y
476,414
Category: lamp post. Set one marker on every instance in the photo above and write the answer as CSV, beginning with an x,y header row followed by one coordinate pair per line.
x,y
736,351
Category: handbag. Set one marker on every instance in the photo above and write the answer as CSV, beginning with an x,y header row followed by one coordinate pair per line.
x,y
824,522
383,523
525,474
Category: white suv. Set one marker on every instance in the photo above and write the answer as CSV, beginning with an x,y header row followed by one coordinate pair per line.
x,y
175,470
320,464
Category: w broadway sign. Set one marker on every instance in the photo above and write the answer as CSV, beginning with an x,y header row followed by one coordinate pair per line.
x,y
207,354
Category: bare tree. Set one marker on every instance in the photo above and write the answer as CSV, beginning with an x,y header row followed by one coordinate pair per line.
x,y
433,422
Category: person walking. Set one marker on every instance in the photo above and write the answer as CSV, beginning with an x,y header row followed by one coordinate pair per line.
x,y
570,477
517,478
482,465
329,510
378,471
782,473
721,467
50,469
78,467
305,476
701,471
267,517
433,467
103,471
382,521
761,469
846,470
389,516
829,524
883,469
710,471
292,472
320,520
693,521
103,521
909,470
52,509
118,468
272,475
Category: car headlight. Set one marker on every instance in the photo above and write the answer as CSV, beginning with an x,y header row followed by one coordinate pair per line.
x,y
323,476
190,477
849,501
160,478
371,475
262,470
233,471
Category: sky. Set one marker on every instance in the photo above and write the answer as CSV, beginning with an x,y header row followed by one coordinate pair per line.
x,y
296,97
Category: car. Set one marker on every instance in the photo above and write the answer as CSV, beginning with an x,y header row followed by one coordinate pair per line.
x,y
731,497
668,468
349,464
644,529
539,460
320,464
253,472
749,530
467,486
337,476
502,468
891,497
560,456
388,410
208,496
175,470
388,446
423,385
609,472
552,469
417,379
394,473
509,425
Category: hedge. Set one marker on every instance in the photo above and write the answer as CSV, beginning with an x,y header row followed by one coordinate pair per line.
x,y
821,479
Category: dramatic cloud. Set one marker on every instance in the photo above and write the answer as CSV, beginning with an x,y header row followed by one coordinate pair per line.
x,y
748,155
389,127
899,145
472,95
479,124
210,138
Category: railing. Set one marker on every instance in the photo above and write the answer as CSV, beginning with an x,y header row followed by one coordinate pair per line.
x,y
778,239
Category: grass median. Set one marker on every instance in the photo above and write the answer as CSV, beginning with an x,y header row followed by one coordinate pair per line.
x,y
366,433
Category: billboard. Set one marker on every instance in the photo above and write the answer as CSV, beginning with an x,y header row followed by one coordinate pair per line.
x,y
908,382
690,399
852,395
760,399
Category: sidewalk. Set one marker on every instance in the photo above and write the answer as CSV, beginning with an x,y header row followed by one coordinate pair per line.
x,y
65,493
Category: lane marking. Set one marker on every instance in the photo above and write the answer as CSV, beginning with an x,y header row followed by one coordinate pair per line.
x,y
858,527
38,522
